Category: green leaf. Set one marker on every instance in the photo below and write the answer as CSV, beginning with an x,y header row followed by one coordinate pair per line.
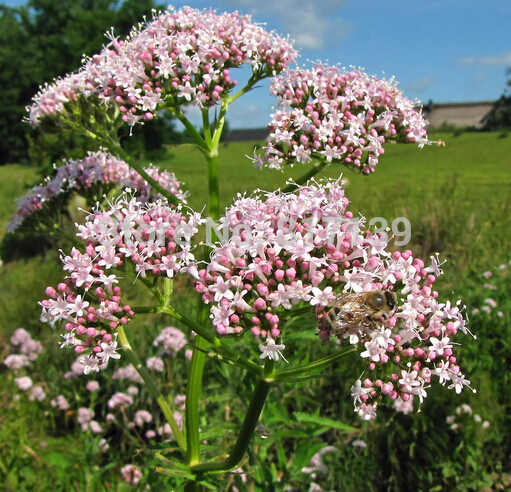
x,y
317,419
305,453
174,472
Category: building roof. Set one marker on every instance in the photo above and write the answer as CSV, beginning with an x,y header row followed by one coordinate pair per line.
x,y
464,114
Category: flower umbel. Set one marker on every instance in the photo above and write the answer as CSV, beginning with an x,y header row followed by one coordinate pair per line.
x,y
129,238
304,248
338,116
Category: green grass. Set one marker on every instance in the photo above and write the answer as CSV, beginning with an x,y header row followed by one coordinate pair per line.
x,y
14,182
480,162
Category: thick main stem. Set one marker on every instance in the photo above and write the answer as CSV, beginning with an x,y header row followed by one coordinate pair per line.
x,y
199,357
151,386
247,430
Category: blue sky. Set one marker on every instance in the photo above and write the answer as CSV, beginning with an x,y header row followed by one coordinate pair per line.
x,y
444,50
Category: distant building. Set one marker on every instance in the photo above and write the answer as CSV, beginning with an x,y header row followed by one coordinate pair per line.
x,y
462,115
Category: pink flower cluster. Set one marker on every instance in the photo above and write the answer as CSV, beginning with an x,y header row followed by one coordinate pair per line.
x,y
333,115
94,175
130,238
179,57
60,402
127,373
131,474
290,249
27,348
277,256
52,99
171,339
85,419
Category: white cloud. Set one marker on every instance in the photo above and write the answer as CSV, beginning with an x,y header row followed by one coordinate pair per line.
x,y
312,24
503,59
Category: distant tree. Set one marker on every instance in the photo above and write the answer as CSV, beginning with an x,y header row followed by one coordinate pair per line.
x,y
45,39
500,116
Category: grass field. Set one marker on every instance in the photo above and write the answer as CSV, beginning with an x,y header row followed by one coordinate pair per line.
x,y
458,201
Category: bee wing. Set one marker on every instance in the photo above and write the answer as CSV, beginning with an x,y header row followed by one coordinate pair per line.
x,y
352,310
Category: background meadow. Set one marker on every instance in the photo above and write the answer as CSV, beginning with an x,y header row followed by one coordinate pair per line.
x,y
458,201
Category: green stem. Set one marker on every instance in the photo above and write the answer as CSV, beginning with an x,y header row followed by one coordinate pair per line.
x,y
151,386
168,287
219,127
247,431
115,146
201,144
193,395
305,177
213,183
206,127
250,85
205,333
318,364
